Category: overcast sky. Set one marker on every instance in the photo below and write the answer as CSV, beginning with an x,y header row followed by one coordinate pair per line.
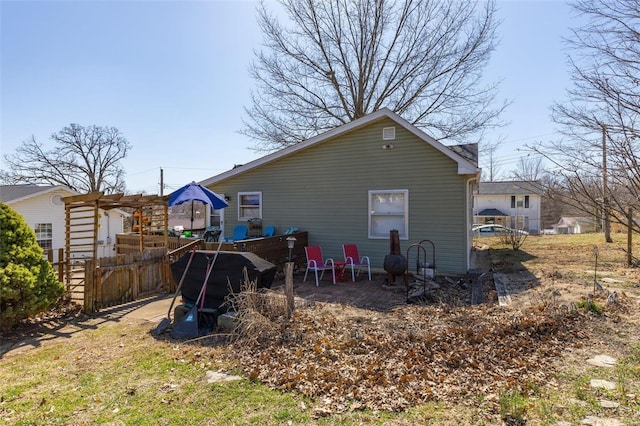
x,y
172,77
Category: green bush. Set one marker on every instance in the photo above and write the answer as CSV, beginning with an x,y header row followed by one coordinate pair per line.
x,y
590,305
28,284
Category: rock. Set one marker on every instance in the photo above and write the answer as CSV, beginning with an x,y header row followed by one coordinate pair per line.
x,y
600,421
602,361
227,322
608,404
604,384
216,376
579,402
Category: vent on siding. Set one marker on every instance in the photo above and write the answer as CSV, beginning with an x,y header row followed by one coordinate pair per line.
x,y
388,133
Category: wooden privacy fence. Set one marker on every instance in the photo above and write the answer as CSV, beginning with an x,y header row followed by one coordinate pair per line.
x,y
58,264
130,243
124,278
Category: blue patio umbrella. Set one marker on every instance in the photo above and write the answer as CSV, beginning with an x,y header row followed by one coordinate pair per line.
x,y
196,192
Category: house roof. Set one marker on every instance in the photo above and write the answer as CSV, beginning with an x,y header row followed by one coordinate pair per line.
x,y
468,151
466,156
510,187
13,193
566,222
491,212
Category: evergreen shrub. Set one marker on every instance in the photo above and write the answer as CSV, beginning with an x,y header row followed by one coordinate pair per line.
x,y
28,283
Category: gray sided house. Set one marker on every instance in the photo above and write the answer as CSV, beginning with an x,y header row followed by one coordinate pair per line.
x,y
357,182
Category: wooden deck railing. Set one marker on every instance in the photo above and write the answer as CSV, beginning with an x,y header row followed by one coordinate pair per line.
x,y
274,249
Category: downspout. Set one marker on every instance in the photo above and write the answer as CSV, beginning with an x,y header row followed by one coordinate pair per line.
x,y
469,199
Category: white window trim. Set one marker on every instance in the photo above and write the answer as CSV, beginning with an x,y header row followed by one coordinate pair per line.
x,y
46,235
404,233
240,194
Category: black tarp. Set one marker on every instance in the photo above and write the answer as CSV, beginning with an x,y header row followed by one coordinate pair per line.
x,y
227,275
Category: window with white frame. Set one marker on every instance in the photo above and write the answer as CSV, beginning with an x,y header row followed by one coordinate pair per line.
x,y
44,235
519,202
249,205
388,209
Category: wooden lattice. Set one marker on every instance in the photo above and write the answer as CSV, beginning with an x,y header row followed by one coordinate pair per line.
x,y
82,220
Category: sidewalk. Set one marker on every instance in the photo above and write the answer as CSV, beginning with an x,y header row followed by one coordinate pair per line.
x,y
152,309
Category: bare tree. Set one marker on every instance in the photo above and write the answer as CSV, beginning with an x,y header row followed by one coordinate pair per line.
x,y
86,159
530,168
488,160
598,158
342,59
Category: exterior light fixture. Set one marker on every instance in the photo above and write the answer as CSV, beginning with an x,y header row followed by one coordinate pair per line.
x,y
291,241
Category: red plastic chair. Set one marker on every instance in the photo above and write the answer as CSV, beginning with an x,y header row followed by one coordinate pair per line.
x,y
315,263
354,261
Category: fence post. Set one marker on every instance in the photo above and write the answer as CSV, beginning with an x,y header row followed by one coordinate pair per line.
x,y
288,287
89,289
629,237
60,265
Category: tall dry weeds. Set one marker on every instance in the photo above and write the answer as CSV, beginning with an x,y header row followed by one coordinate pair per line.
x,y
260,316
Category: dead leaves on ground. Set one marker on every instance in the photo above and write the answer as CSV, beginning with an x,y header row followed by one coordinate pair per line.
x,y
415,354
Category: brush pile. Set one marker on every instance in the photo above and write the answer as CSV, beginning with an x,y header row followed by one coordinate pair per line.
x,y
349,359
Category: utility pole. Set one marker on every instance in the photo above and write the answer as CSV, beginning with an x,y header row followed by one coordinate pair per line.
x,y
605,189
161,182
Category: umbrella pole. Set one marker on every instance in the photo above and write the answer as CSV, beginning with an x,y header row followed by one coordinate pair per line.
x,y
191,215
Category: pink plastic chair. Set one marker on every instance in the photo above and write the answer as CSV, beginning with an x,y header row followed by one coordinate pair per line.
x,y
353,259
315,263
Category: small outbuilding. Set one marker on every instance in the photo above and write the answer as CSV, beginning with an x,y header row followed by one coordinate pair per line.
x,y
574,225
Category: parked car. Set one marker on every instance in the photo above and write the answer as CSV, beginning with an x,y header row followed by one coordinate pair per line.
x,y
495,230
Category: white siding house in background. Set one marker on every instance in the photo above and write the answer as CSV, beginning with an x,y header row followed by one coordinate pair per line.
x,y
574,225
43,210
515,204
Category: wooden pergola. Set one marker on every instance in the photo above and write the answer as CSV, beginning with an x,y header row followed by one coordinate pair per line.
x,y
82,219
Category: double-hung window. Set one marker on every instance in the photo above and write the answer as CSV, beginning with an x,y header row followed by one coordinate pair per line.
x,y
44,235
249,205
519,202
388,209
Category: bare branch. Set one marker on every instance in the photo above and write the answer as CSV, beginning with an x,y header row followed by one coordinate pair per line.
x,y
85,159
604,101
340,60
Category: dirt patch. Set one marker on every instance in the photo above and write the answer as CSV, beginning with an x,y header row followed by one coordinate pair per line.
x,y
64,312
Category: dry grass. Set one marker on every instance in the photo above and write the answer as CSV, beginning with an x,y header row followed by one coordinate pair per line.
x,y
434,364
348,359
